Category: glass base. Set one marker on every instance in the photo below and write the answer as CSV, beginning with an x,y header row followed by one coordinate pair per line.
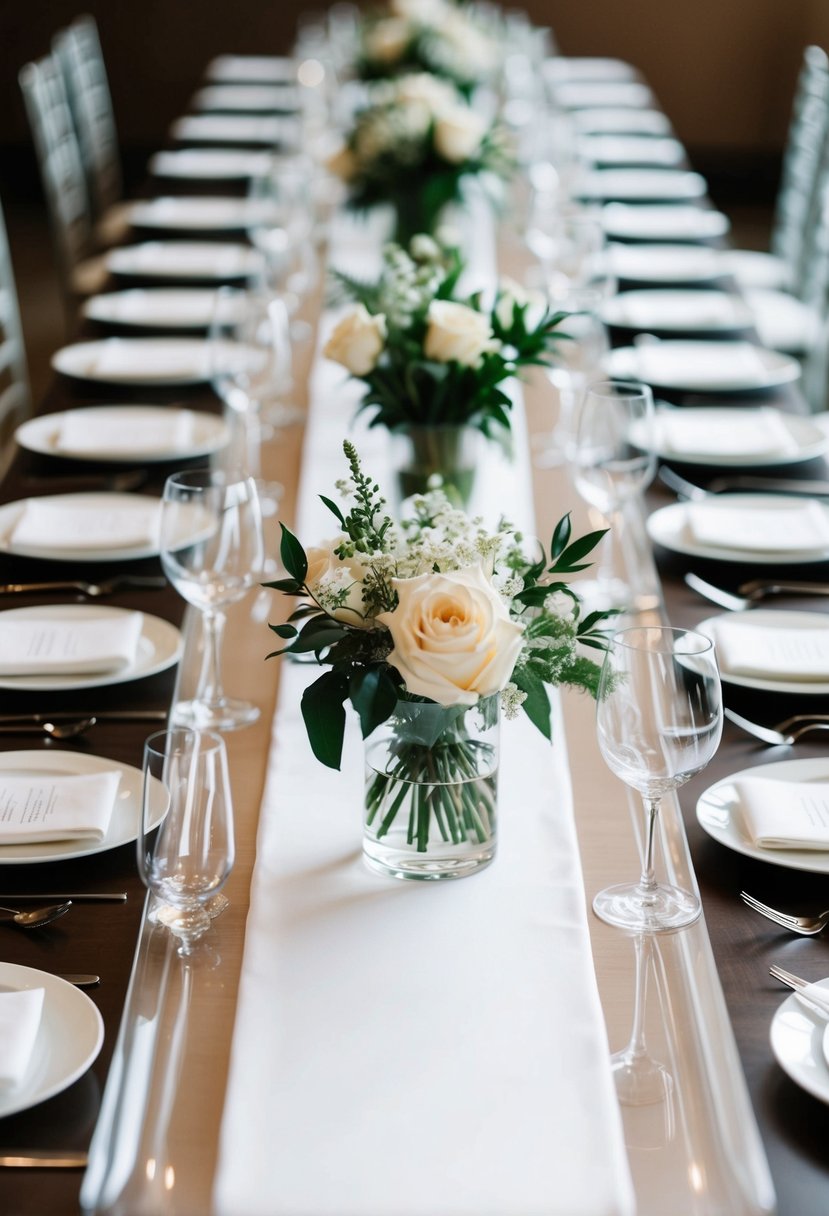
x,y
666,909
425,867
639,1080
227,714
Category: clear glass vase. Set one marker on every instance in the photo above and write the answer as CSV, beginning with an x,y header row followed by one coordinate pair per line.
x,y
422,454
431,792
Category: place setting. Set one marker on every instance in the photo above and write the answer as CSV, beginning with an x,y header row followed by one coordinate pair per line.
x,y
211,213
247,99
210,164
147,361
157,308
662,222
647,185
757,529
631,150
667,311
125,434
732,437
700,366
665,263
627,120
268,130
211,261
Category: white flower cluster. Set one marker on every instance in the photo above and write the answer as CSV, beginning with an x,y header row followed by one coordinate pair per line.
x,y
451,42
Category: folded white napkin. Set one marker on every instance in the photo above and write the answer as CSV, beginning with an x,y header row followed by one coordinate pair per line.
x,y
745,649
691,310
660,221
75,646
223,259
88,524
801,528
133,361
44,807
785,814
210,162
234,127
140,430
249,97
703,365
706,433
664,263
20,1014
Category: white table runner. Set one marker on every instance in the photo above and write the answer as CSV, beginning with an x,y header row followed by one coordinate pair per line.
x,y
415,1049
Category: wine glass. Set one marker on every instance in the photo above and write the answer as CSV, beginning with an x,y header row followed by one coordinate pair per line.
x,y
659,721
639,1078
186,852
613,462
212,553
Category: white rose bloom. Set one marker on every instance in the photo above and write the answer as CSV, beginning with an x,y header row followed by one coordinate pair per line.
x,y
458,133
454,640
420,86
456,334
425,11
329,578
387,40
357,340
511,293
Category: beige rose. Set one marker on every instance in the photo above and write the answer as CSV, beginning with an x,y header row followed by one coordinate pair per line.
x,y
512,294
357,340
435,94
387,40
458,134
342,163
454,640
456,334
329,578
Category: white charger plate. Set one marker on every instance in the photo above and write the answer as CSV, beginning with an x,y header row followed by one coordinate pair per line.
x,y
669,527
162,307
645,184
264,69
148,361
718,813
769,618
247,98
210,164
800,1043
631,150
808,439
266,129
588,94
199,260
69,1037
126,814
772,369
160,645
677,311
602,120
211,214
209,434
666,263
662,222
101,502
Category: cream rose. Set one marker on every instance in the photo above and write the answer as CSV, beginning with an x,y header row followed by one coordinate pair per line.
x,y
436,94
454,640
456,334
342,163
512,294
458,134
337,585
387,40
357,340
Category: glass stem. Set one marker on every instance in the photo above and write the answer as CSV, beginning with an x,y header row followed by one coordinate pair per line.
x,y
647,882
252,440
637,1048
210,689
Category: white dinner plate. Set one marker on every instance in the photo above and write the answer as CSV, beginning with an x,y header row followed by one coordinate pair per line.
x,y
211,214
69,1037
210,164
769,618
211,261
808,440
588,67
718,813
247,99
669,527
208,434
126,814
800,1043
266,129
664,263
100,503
662,222
709,367
160,645
149,361
588,94
264,69
610,121
644,184
631,150
154,307
677,311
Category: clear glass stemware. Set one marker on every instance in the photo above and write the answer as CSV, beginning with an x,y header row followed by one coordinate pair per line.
x,y
659,721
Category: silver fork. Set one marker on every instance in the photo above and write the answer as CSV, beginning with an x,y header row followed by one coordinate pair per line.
x,y
799,985
808,926
740,483
749,594
786,732
93,591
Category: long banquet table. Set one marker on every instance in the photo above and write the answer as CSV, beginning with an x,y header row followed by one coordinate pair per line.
x,y
168,1066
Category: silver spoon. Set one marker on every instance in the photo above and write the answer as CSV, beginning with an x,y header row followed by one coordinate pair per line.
x,y
35,918
55,730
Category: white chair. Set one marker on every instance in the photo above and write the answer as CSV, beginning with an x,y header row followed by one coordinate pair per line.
x,y
15,396
62,175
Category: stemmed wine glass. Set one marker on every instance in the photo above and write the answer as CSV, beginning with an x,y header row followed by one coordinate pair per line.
x,y
212,552
613,462
659,721
186,852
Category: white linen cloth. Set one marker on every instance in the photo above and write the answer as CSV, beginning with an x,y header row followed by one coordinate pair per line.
x,y
772,652
141,430
785,814
722,432
46,806
20,1014
50,646
405,1048
88,523
787,528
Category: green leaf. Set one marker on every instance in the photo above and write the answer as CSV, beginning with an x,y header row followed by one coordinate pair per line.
x,y
579,549
373,695
334,509
289,586
293,555
537,704
324,717
283,631
561,536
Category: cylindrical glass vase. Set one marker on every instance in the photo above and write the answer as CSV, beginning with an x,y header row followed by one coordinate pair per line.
x,y
431,790
423,454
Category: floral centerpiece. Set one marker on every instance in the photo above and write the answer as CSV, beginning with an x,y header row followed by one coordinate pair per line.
x,y
435,364
427,627
412,146
433,36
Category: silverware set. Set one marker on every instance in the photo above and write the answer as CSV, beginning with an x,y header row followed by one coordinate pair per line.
x,y
739,483
750,594
783,733
806,926
93,591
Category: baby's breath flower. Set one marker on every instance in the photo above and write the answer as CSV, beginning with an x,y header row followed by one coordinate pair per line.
x,y
512,698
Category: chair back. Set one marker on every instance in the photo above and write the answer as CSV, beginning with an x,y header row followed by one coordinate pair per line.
x,y
15,396
78,51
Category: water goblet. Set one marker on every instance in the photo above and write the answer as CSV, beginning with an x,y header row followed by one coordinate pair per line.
x,y
212,552
659,721
613,462
186,852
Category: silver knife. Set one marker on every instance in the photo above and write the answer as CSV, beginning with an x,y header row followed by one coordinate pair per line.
x,y
105,715
42,1159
